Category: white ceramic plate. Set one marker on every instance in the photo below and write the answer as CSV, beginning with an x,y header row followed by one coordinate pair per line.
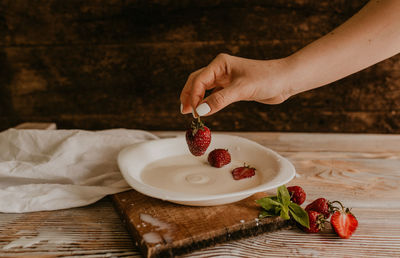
x,y
166,170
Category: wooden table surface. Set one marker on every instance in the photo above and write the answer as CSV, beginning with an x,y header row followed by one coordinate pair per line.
x,y
363,171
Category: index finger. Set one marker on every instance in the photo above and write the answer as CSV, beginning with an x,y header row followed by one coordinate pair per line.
x,y
186,91
208,79
202,80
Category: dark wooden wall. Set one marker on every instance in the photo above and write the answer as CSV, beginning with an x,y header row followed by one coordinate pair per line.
x,y
99,64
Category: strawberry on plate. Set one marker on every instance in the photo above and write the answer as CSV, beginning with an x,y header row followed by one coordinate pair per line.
x,y
344,222
198,137
243,172
219,158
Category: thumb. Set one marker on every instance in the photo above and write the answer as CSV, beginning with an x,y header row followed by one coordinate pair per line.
x,y
216,101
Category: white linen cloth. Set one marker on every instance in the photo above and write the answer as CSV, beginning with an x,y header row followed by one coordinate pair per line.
x,y
58,169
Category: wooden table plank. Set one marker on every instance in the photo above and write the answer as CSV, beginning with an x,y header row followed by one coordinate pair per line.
x,y
316,142
94,231
361,170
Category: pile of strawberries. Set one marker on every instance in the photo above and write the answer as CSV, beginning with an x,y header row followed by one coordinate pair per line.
x,y
342,220
198,138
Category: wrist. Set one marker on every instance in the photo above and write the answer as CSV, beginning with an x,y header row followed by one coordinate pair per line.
x,y
299,75
290,79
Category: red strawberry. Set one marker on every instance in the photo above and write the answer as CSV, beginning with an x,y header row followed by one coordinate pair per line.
x,y
321,205
316,220
243,172
344,222
297,194
219,158
198,138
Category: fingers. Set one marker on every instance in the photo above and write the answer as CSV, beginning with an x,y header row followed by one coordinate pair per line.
x,y
217,101
186,92
202,80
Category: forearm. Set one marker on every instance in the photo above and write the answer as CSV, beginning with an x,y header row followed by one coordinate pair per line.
x,y
370,36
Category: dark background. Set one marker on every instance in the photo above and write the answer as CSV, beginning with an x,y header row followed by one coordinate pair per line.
x,y
103,64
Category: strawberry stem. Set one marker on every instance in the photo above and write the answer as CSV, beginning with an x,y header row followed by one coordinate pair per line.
x,y
321,221
196,125
334,208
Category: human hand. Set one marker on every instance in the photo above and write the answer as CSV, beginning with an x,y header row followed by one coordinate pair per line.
x,y
233,79
367,38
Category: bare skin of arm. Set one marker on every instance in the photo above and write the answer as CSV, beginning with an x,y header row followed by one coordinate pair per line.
x,y
370,36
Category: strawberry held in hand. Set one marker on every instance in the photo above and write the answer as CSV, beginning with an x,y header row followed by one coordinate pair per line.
x,y
198,138
219,158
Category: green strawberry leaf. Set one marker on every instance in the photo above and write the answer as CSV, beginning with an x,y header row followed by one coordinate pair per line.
x,y
283,195
264,214
280,205
277,210
268,204
285,213
274,198
299,214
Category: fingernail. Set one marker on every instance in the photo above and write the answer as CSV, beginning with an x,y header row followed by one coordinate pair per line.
x,y
181,107
203,109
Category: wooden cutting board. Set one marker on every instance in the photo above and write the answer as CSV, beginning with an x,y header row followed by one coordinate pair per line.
x,y
164,229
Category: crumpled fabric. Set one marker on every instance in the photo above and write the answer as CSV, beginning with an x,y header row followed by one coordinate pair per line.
x,y
59,169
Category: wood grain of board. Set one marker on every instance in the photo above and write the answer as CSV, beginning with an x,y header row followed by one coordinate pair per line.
x,y
360,170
